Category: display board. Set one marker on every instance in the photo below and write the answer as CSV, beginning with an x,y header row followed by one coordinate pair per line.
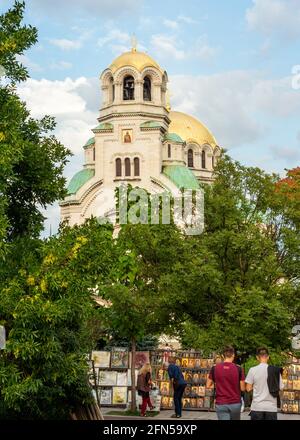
x,y
110,375
290,402
195,369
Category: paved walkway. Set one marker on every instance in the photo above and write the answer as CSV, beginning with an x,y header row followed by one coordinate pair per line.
x,y
192,415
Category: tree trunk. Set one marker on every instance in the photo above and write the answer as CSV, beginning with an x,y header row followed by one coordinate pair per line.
x,y
133,392
88,412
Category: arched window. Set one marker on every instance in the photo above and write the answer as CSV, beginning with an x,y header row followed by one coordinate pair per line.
x,y
203,159
112,87
213,161
118,167
136,163
169,150
127,167
190,158
94,154
128,88
147,89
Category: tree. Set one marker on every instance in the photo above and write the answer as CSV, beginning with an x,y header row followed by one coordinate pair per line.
x,y
144,253
32,161
246,290
46,307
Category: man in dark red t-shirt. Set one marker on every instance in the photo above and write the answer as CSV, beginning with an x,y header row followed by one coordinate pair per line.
x,y
229,380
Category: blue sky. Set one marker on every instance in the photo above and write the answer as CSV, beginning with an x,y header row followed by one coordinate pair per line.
x,y
229,64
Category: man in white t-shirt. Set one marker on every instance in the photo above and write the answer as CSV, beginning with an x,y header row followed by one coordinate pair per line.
x,y
264,405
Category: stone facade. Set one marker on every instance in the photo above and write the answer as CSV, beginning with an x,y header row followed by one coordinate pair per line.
x,y
139,141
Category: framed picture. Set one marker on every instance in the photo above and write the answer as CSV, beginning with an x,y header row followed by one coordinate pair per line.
x,y
191,363
160,374
122,378
195,378
105,395
141,358
164,402
203,363
195,391
171,402
189,377
101,359
119,358
206,402
119,395
187,390
197,363
165,388
200,403
186,402
202,391
184,362
193,402
127,134
107,378
93,378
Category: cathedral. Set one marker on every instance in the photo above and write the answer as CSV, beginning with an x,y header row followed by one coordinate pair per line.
x,y
138,141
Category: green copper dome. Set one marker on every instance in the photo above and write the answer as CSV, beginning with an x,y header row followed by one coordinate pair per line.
x,y
91,141
173,137
79,179
182,177
151,124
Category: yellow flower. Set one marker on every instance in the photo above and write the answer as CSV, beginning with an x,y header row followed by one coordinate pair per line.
x,y
43,286
82,240
49,259
30,280
2,136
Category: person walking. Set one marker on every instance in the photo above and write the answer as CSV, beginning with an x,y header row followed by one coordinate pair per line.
x,y
229,380
179,385
144,383
266,382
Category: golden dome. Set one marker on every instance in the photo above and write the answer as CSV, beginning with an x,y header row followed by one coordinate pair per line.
x,y
190,129
138,60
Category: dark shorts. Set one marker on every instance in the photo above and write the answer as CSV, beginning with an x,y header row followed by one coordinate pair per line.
x,y
263,415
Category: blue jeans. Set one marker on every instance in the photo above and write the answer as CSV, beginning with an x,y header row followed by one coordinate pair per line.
x,y
178,393
229,412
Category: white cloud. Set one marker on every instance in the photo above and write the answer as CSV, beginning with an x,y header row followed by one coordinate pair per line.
x,y
285,153
170,24
100,8
61,65
66,44
34,67
188,20
74,104
167,46
235,105
280,17
115,36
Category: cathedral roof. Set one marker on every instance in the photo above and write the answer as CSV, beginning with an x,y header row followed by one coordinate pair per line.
x,y
79,179
138,60
173,137
89,142
190,129
182,176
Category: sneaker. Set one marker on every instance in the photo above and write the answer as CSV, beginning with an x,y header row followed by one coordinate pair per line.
x,y
174,416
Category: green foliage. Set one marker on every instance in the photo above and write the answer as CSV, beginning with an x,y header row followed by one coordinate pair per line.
x,y
251,244
46,307
31,159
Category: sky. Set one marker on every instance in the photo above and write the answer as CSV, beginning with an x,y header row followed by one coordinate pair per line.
x,y
235,65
